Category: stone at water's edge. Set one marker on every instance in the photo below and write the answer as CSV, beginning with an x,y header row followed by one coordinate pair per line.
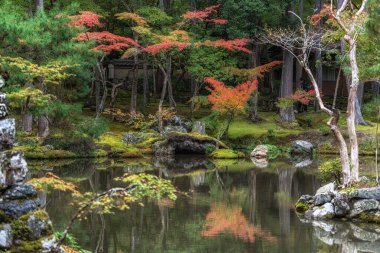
x,y
366,193
359,204
6,237
261,151
301,147
7,133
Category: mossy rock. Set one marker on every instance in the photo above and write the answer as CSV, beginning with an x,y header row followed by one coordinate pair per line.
x,y
302,207
369,217
226,154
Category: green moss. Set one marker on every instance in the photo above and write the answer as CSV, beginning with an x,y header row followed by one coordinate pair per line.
x,y
100,153
302,207
27,247
20,229
369,217
3,217
226,154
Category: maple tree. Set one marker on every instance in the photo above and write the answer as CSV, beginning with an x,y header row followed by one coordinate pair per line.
x,y
229,101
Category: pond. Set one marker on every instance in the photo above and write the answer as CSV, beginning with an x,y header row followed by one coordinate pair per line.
x,y
233,206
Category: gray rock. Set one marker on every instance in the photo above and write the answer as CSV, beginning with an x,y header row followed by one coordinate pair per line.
x,y
199,127
363,205
328,188
180,121
48,244
2,82
260,162
323,212
3,98
38,227
6,237
18,192
322,198
13,168
3,111
341,206
301,147
260,151
7,133
366,193
170,129
18,208
131,139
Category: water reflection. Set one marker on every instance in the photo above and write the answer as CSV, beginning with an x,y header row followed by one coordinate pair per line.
x,y
234,207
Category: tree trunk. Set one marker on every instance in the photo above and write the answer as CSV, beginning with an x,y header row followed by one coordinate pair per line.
x,y
27,122
146,83
351,107
287,114
253,63
162,5
298,65
38,5
375,90
318,54
359,119
333,124
43,126
162,99
134,86
172,103
193,4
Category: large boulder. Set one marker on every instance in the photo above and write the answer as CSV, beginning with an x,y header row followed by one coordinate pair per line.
x,y
300,147
16,208
260,151
180,121
7,133
131,138
366,193
325,211
19,192
13,168
3,110
363,205
169,129
328,188
341,205
186,143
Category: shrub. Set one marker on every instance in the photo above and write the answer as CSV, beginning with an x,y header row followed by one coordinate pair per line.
x,y
93,128
331,170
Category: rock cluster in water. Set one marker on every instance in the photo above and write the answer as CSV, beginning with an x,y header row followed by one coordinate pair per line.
x,y
351,203
24,227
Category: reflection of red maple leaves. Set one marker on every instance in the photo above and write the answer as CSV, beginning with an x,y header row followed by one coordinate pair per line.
x,y
222,218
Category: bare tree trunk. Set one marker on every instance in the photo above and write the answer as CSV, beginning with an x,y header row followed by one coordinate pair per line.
x,y
352,97
375,90
333,124
100,82
359,119
43,126
193,4
318,54
287,114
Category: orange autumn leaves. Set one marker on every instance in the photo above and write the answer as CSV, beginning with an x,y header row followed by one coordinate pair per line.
x,y
227,99
225,219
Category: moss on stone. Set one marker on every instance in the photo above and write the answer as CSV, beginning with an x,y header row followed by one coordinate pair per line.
x,y
25,246
369,217
226,154
302,207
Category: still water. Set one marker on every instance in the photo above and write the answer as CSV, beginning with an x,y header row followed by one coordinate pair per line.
x,y
233,206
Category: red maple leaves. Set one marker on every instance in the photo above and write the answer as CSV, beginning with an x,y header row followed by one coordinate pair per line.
x,y
157,48
227,99
230,45
203,15
324,12
86,19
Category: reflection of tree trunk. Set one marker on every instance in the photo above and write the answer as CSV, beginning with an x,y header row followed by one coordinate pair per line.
x,y
164,214
285,187
253,196
100,242
253,63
